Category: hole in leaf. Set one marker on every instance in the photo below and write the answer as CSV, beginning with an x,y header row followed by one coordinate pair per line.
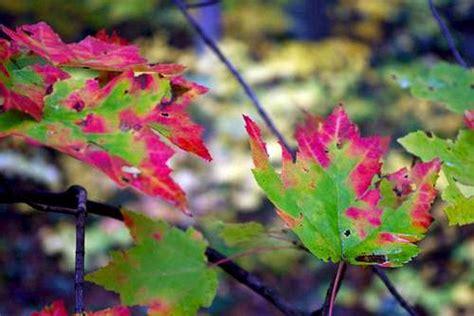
x,y
397,192
165,114
339,145
471,86
78,106
49,90
347,232
429,134
142,80
124,126
326,151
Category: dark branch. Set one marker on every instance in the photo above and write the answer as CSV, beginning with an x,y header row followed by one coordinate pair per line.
x,y
248,90
391,288
447,34
66,203
201,4
251,281
81,196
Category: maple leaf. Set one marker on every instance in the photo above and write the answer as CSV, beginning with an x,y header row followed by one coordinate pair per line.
x,y
112,117
166,270
458,166
331,198
57,308
446,83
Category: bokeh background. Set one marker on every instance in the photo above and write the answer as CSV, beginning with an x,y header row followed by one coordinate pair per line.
x,y
300,56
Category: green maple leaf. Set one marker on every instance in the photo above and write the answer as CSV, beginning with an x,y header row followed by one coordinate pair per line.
x,y
165,270
458,166
333,200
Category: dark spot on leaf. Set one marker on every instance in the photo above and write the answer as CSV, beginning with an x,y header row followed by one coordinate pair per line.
x,y
347,233
125,180
125,92
326,151
137,127
372,258
78,106
431,88
339,145
405,176
397,192
165,114
394,77
471,86
28,32
429,134
142,80
49,90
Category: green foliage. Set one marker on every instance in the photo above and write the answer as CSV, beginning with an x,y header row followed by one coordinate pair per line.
x,y
458,166
165,270
449,84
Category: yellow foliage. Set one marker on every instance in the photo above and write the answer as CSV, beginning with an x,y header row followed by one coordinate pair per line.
x,y
301,59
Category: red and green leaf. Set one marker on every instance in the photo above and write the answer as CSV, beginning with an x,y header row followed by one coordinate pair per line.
x,y
166,270
100,102
57,308
458,166
333,198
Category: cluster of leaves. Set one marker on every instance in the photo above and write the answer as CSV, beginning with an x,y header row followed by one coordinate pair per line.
x,y
452,86
100,102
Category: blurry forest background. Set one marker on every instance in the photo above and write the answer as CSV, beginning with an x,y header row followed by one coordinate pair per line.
x,y
300,55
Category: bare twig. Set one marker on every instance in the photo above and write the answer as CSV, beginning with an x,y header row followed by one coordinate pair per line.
x,y
251,281
447,35
248,90
81,196
391,288
201,4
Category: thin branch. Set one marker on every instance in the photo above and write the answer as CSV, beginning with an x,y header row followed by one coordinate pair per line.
x,y
81,196
251,281
248,90
57,202
201,4
447,35
391,288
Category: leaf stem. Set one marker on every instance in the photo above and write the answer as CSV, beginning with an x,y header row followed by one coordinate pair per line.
x,y
391,288
447,34
248,90
328,306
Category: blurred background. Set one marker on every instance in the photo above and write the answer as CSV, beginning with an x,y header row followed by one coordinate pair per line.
x,y
300,56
